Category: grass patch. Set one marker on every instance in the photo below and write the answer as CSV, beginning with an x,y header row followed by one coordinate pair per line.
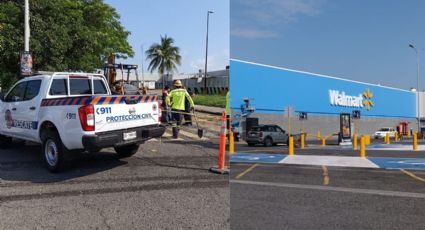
x,y
210,100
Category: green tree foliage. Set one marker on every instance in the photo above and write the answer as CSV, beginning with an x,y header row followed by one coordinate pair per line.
x,y
163,57
66,35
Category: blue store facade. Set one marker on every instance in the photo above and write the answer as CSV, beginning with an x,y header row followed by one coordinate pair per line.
x,y
272,89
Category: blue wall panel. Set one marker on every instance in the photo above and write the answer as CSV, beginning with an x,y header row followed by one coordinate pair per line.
x,y
274,88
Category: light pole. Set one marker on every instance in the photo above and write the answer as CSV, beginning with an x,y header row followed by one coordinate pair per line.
x,y
27,27
206,51
417,85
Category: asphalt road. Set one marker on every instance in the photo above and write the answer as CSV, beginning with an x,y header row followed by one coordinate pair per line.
x,y
166,185
273,196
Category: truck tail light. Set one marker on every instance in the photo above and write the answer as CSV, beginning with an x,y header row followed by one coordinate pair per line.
x,y
86,114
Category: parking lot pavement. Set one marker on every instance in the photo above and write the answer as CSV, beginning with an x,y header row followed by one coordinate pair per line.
x,y
275,196
166,185
332,149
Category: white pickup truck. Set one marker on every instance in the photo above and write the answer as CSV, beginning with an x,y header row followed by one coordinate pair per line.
x,y
76,111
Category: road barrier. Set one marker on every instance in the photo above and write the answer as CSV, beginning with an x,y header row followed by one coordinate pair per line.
x,y
231,142
415,141
362,146
325,138
302,145
291,146
355,141
367,139
221,168
387,138
318,135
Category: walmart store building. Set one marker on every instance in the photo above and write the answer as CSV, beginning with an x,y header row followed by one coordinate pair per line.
x,y
272,89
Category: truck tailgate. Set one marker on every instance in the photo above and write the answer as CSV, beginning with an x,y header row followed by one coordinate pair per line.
x,y
124,112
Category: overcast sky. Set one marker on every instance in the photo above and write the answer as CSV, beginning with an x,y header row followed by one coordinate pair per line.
x,y
360,40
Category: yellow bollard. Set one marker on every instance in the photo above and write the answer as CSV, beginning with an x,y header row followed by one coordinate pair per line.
x,y
291,146
387,138
355,141
302,141
362,146
231,142
367,139
396,137
318,135
415,142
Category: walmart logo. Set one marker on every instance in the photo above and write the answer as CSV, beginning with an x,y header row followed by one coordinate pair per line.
x,y
340,98
367,99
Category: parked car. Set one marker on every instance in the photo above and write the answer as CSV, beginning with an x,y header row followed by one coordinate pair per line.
x,y
267,135
382,132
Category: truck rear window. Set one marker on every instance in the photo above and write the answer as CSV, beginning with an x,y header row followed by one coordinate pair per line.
x,y
99,87
79,86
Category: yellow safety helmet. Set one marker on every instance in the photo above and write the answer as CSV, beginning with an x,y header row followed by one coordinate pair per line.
x,y
178,83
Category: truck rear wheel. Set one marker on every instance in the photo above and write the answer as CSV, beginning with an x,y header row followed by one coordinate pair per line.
x,y
54,152
127,150
5,142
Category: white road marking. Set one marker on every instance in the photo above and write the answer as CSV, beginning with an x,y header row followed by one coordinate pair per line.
x,y
335,189
340,161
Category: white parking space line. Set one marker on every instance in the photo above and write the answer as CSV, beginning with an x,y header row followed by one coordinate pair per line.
x,y
340,161
334,189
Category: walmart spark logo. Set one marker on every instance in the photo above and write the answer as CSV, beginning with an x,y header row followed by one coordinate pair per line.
x,y
367,99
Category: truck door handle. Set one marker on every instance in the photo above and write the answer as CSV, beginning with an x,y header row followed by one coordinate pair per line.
x,y
14,109
32,108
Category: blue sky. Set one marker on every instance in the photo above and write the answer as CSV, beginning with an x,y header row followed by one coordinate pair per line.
x,y
183,20
359,40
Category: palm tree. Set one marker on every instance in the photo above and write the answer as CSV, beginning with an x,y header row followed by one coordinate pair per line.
x,y
163,57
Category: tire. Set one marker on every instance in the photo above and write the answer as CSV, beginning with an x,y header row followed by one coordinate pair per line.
x,y
5,142
268,142
54,152
126,150
251,144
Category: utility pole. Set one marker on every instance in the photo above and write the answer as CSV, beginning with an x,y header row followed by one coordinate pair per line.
x,y
26,57
206,52
27,27
417,85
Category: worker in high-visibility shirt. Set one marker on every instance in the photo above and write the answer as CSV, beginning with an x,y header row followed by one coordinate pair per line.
x,y
176,100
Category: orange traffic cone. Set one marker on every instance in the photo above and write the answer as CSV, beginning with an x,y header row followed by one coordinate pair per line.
x,y
221,168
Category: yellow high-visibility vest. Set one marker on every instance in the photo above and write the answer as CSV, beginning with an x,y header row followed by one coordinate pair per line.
x,y
176,99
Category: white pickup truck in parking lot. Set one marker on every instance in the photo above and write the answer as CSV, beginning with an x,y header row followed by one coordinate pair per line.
x,y
76,111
